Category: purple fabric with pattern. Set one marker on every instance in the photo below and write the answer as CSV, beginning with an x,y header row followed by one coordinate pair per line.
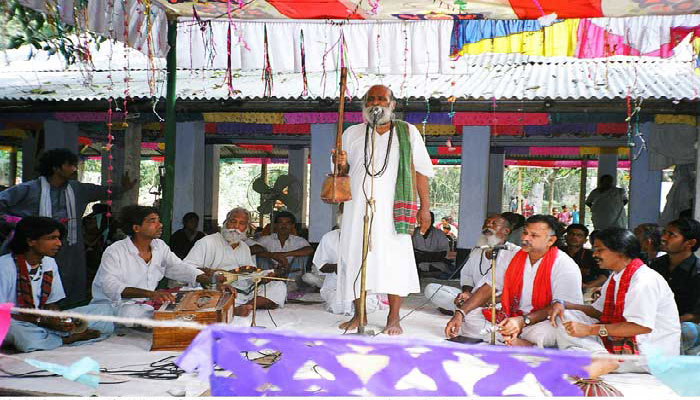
x,y
221,346
434,118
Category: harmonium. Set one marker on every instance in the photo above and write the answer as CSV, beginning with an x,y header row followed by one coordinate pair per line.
x,y
201,306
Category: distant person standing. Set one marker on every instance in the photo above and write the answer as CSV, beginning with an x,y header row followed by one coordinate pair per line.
x,y
57,194
574,214
607,203
565,215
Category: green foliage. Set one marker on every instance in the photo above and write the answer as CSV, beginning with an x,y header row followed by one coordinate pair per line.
x,y
22,25
444,191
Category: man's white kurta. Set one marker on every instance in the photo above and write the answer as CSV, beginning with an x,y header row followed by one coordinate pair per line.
x,y
478,266
391,267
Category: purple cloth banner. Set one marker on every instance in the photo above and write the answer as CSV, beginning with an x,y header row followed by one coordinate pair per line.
x,y
373,366
238,128
560,129
321,118
433,118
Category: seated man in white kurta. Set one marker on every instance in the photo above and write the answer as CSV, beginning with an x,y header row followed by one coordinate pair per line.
x,y
494,232
536,275
282,245
29,278
325,276
635,314
132,267
227,250
388,163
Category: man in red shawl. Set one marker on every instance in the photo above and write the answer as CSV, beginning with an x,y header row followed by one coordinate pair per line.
x,y
635,313
536,275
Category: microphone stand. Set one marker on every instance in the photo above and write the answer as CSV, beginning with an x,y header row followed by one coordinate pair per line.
x,y
494,254
369,210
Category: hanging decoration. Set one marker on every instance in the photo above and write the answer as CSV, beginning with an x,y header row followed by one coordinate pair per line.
x,y
405,59
207,33
305,91
110,167
267,68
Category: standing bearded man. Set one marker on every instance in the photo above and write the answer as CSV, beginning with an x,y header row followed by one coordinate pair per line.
x,y
390,175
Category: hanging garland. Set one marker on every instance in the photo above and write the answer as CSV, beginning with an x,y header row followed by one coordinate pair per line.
x,y
267,68
305,91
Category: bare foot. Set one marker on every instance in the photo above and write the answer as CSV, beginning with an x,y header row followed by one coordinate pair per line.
x,y
601,366
354,323
393,327
77,337
520,342
243,310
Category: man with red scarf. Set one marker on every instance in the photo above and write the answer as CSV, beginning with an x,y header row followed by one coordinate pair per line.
x,y
29,277
538,273
635,313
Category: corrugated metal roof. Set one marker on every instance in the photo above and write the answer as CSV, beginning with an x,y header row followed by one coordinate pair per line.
x,y
529,81
482,77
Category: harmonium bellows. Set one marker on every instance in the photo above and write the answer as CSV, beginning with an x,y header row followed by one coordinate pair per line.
x,y
201,306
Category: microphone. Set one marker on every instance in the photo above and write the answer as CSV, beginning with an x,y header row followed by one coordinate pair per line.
x,y
496,247
376,112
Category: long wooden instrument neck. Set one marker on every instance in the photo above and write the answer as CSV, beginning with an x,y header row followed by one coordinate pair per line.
x,y
341,116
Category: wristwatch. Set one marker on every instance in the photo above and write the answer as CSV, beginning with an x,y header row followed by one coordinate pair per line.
x,y
527,320
603,331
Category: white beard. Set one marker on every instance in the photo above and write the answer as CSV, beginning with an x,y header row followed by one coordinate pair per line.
x,y
233,236
488,240
385,118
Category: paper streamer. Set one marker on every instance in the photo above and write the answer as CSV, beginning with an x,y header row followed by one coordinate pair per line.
x,y
4,319
438,130
77,372
291,129
321,118
86,116
675,119
487,118
506,130
611,128
246,118
433,118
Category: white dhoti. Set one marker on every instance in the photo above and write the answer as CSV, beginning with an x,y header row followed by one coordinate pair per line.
x,y
442,296
275,291
591,344
335,305
541,334
391,266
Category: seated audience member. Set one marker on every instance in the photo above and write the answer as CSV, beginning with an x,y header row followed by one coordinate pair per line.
x,y
132,267
227,250
536,275
325,276
634,315
284,249
592,275
517,221
680,267
430,248
29,278
182,240
494,232
649,236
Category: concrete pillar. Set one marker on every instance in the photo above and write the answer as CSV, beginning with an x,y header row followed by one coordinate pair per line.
x,y
495,194
473,184
29,149
607,163
13,167
211,186
59,134
298,167
320,214
645,186
189,172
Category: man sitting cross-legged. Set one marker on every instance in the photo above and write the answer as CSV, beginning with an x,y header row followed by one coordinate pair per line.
x,y
29,278
282,248
494,232
538,273
635,313
132,267
227,250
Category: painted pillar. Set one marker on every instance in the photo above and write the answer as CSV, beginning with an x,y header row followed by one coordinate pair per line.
x,y
607,163
645,186
29,148
59,134
297,169
320,214
211,187
473,184
495,194
189,172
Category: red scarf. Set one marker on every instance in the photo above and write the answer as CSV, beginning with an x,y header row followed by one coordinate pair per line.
x,y
614,307
513,285
25,294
